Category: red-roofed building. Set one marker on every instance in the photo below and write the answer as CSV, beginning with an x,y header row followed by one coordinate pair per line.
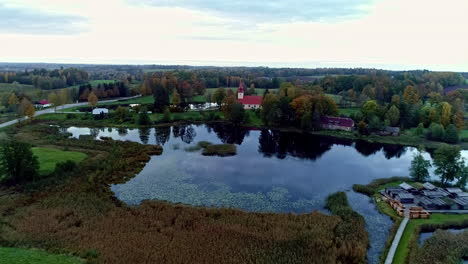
x,y
249,101
337,123
44,102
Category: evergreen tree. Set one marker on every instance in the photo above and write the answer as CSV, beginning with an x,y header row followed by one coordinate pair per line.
x,y
18,163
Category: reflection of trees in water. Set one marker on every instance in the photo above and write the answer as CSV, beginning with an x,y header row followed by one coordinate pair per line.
x,y
393,151
390,151
186,133
366,148
229,134
162,135
94,132
144,134
281,144
122,131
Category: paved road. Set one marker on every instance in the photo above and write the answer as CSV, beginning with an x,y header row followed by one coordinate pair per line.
x,y
396,241
52,110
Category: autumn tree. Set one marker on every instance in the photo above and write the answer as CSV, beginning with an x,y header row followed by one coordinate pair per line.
x,y
227,106
29,110
252,89
410,95
458,120
175,98
445,113
219,95
12,99
92,99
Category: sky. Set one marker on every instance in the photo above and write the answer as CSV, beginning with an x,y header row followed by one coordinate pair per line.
x,y
386,34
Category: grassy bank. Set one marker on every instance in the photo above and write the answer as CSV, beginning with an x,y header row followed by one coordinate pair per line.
x,y
48,158
29,256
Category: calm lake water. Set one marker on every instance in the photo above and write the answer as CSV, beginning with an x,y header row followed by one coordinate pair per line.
x,y
423,236
272,171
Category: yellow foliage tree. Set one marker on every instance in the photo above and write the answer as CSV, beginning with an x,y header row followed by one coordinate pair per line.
x,y
12,100
445,113
92,99
410,95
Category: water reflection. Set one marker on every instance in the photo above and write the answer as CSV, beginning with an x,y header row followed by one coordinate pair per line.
x,y
273,171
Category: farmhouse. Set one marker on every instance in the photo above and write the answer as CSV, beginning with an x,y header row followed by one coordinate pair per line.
x,y
43,104
249,101
337,123
99,111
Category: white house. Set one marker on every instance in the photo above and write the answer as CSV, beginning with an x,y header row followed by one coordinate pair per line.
x,y
99,111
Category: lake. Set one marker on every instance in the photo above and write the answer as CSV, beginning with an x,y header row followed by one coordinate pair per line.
x,y
423,236
272,172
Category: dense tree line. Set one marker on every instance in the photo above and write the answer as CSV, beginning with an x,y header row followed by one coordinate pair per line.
x,y
104,90
47,79
175,87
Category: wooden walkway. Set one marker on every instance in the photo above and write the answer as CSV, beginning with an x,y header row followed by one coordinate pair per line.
x,y
396,241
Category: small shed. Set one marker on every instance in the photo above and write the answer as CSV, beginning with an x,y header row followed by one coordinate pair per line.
x,y
99,111
429,186
405,198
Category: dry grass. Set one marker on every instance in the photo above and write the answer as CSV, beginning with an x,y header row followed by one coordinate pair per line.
x,y
80,215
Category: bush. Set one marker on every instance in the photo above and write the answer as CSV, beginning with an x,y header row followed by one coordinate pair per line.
x,y
451,135
18,163
143,118
436,132
70,116
222,150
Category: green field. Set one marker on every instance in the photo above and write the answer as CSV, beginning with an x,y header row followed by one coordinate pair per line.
x,y
348,111
403,248
48,158
94,83
32,256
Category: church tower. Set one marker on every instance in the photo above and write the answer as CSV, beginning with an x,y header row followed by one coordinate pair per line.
x,y
240,91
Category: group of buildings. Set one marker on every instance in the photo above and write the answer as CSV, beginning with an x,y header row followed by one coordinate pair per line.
x,y
429,197
328,122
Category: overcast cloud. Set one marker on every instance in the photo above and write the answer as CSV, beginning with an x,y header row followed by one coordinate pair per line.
x,y
391,34
30,21
273,11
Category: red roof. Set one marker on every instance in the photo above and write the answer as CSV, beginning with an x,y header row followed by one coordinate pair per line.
x,y
43,102
251,100
337,121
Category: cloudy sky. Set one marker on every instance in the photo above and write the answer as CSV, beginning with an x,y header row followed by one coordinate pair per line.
x,y
390,34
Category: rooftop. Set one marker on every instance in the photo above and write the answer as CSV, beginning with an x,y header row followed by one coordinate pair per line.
x,y
429,186
337,121
454,190
406,186
251,100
